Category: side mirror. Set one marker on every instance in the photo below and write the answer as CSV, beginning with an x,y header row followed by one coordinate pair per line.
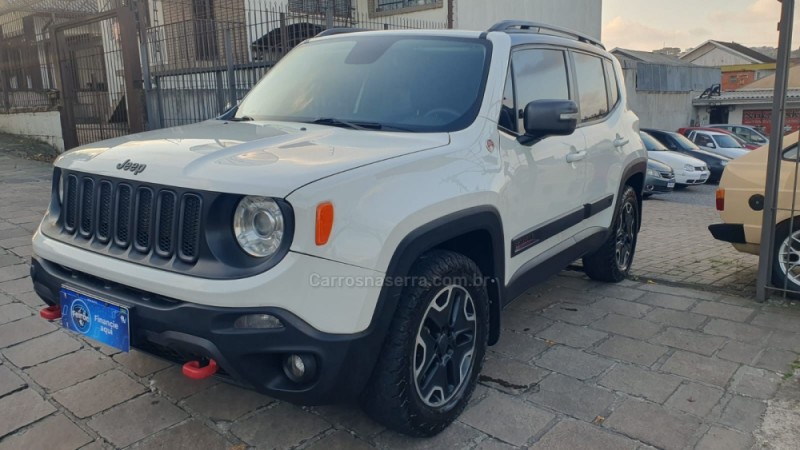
x,y
543,118
711,145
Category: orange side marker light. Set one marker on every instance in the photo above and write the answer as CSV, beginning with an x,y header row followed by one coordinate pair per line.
x,y
324,223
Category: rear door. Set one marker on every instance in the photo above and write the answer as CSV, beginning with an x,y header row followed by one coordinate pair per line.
x,y
608,135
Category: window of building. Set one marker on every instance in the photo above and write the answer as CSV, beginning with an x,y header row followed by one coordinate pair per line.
x,y
383,6
591,86
341,8
205,30
539,74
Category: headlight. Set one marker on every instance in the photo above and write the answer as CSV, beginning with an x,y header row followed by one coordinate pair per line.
x,y
258,225
688,168
652,173
705,167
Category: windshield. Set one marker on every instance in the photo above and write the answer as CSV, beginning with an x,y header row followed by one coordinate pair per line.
x,y
684,142
651,144
424,84
725,141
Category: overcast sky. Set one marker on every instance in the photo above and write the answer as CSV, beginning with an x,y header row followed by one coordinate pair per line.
x,y
651,25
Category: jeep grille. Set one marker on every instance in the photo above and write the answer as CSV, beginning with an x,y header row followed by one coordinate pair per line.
x,y
151,220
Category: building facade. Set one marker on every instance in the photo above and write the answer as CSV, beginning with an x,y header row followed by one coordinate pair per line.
x,y
740,65
752,104
661,87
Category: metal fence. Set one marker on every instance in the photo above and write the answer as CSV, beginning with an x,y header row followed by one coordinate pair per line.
x,y
204,55
27,66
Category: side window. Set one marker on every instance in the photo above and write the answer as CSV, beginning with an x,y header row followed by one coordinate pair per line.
x,y
790,154
507,118
612,83
701,139
591,86
539,74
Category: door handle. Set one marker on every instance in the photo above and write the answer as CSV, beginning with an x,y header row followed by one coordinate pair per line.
x,y
576,156
620,141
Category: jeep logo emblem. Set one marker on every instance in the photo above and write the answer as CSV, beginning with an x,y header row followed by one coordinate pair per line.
x,y
136,168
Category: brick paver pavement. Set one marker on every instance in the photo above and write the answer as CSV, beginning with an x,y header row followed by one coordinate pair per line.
x,y
580,364
676,246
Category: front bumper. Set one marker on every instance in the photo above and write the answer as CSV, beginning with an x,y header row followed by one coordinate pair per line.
x,y
689,178
728,232
654,185
182,331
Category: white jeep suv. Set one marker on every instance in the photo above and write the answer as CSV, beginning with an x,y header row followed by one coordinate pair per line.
x,y
354,227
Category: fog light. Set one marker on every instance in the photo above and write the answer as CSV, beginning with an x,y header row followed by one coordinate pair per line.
x,y
300,368
258,321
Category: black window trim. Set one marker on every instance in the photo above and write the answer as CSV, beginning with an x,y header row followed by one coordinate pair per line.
x,y
510,71
609,65
570,78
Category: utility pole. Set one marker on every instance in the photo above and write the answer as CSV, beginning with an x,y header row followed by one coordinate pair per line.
x,y
767,247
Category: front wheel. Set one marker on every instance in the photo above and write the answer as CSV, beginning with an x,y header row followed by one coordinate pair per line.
x,y
434,349
613,260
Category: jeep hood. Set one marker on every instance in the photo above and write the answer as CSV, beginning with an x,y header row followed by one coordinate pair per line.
x,y
257,158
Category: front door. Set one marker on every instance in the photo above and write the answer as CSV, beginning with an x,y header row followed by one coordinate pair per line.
x,y
544,198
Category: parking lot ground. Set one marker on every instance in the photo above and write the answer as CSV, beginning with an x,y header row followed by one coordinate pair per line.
x,y
675,246
580,364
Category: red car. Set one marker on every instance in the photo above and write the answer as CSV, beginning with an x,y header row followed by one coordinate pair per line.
x,y
685,132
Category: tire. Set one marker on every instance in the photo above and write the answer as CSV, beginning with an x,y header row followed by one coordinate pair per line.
x,y
604,264
402,393
782,260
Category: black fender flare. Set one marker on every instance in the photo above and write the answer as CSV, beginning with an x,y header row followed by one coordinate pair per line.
x,y
427,237
638,166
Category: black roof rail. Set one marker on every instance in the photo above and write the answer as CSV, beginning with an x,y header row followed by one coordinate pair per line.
x,y
521,25
340,30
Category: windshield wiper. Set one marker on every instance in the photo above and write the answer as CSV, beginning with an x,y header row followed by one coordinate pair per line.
x,y
345,124
241,119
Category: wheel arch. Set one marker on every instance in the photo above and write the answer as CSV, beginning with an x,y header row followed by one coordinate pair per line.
x,y
634,176
476,232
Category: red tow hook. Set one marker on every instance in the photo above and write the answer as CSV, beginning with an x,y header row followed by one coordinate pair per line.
x,y
50,312
195,371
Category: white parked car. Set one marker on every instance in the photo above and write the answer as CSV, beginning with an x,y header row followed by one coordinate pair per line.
x,y
718,143
688,170
353,232
749,134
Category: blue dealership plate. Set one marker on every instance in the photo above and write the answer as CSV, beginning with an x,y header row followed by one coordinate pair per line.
x,y
97,319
